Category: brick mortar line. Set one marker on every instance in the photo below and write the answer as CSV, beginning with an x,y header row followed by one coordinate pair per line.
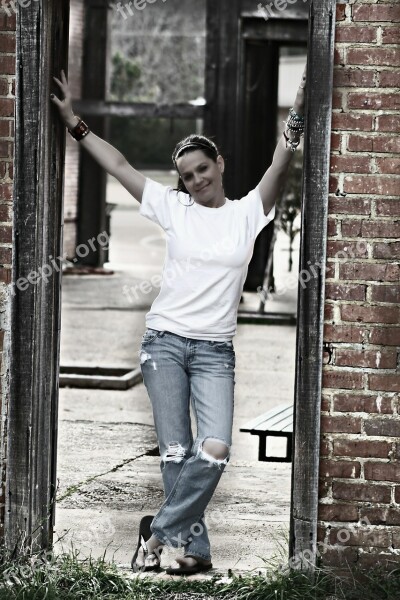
x,y
352,89
366,347
365,328
359,415
331,302
362,154
362,460
363,111
358,437
360,480
358,173
365,260
367,134
373,44
376,68
362,196
357,369
363,437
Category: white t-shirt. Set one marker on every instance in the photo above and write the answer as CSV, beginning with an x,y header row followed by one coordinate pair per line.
x,y
207,258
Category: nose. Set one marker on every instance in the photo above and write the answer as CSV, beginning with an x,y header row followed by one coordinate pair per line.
x,y
198,180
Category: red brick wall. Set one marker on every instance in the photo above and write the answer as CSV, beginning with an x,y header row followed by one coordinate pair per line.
x,y
7,91
360,421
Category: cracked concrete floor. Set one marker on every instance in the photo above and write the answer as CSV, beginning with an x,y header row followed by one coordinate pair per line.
x,y
109,476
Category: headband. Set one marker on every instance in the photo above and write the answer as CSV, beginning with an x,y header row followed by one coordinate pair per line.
x,y
193,145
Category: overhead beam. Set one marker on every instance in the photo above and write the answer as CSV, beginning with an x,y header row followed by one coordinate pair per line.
x,y
101,108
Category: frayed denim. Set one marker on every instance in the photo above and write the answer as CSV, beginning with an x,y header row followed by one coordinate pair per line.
x,y
179,372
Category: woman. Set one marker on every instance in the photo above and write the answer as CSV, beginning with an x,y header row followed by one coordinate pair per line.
x,y
187,355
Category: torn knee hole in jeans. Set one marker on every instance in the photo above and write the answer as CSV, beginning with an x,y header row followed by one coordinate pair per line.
x,y
174,453
210,449
145,356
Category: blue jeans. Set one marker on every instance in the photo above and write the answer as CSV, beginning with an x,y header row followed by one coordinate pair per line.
x,y
177,372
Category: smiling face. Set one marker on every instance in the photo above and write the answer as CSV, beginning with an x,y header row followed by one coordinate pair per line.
x,y
202,177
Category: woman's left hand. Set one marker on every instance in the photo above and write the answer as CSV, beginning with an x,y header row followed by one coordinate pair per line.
x,y
299,102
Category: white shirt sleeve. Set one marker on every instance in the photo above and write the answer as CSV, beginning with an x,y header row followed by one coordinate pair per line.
x,y
253,207
157,203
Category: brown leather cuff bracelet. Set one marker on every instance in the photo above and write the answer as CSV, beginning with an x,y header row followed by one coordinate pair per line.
x,y
79,131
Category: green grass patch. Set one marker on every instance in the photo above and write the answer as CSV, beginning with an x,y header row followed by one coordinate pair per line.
x,y
67,576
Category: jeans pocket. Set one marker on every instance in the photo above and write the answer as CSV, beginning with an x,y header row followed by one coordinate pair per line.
x,y
150,335
224,345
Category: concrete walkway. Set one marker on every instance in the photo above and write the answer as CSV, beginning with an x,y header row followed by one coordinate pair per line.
x,y
108,472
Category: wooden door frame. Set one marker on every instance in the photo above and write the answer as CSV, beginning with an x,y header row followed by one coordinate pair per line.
x,y
42,49
311,298
31,445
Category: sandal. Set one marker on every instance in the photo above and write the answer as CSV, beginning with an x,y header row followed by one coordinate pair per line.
x,y
144,534
199,567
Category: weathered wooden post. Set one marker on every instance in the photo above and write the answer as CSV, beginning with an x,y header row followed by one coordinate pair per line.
x,y
308,385
42,49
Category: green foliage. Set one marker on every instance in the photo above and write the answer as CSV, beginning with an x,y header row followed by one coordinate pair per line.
x,y
69,577
125,73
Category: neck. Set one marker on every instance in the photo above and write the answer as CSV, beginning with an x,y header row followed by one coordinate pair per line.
x,y
216,201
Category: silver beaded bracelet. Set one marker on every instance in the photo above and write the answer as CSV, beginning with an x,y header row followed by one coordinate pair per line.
x,y
291,143
294,123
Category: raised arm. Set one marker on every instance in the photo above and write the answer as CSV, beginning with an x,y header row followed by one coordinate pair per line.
x,y
274,178
104,153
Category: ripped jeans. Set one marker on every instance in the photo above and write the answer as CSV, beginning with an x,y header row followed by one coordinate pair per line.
x,y
177,372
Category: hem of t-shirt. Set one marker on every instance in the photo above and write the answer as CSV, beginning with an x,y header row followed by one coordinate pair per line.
x,y
190,334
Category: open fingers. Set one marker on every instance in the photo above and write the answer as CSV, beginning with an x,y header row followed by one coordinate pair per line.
x,y
58,82
64,87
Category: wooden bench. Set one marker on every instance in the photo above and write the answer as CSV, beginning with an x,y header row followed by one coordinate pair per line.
x,y
277,422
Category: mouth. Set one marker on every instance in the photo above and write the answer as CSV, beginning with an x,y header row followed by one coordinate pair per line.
x,y
203,188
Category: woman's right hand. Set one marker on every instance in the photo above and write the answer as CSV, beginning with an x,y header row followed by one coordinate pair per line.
x,y
65,105
300,97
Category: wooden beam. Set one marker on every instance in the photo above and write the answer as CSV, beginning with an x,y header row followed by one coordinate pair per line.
x,y
298,10
139,110
42,47
92,215
280,30
310,319
222,77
